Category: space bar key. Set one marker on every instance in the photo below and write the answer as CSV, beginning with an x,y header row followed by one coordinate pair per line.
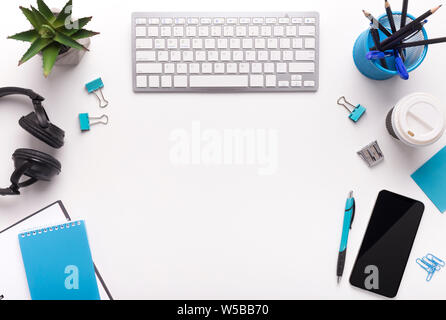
x,y
218,81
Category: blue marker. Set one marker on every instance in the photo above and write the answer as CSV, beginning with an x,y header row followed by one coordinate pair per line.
x,y
400,67
348,222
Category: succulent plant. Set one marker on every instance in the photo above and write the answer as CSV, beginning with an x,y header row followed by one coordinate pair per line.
x,y
52,33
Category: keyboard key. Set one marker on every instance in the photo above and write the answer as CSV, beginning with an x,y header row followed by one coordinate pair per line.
x,y
273,43
296,77
231,20
271,20
145,56
284,20
209,43
194,68
231,67
217,81
166,21
154,81
219,68
180,21
285,43
178,31
278,31
297,43
181,68
240,31
268,67
163,55
154,21
302,67
228,31
263,55
175,56
192,21
256,68
250,56
310,43
244,67
206,20
297,20
222,43
185,44
180,81
160,43
206,68
258,20
166,81
141,81
225,55
172,43
200,56
282,67
270,81
284,84
254,31
245,20
153,31
166,32
212,55
276,56
288,56
234,44
296,83
291,31
141,31
169,68
188,56
306,55
260,43
310,20
247,43
265,31
191,31
256,81
216,31
309,83
144,43
237,55
219,20
307,31
203,31
149,68
141,21
197,43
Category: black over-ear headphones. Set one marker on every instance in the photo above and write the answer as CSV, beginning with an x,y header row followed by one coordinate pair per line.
x,y
33,164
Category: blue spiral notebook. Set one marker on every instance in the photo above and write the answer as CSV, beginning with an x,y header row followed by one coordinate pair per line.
x,y
58,263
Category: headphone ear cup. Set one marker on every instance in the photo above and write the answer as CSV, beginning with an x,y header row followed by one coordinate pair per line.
x,y
52,136
43,166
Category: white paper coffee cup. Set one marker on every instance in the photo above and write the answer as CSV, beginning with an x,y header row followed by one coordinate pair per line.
x,y
417,120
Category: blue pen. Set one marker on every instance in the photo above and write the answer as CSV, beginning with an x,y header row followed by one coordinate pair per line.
x,y
400,67
375,55
349,217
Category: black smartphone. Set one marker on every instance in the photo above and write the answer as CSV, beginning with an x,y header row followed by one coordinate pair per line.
x,y
385,250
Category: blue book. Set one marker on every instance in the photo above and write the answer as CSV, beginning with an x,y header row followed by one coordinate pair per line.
x,y
58,263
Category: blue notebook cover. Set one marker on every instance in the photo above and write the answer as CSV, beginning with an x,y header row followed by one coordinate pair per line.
x,y
58,263
431,178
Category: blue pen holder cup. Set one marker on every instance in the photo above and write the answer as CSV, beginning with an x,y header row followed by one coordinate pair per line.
x,y
372,68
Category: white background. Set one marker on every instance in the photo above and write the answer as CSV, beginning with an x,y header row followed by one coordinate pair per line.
x,y
162,232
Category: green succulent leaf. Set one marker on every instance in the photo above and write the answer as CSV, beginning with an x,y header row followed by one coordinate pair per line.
x,y
63,15
82,34
28,36
40,18
45,11
31,18
50,55
47,32
38,45
75,26
67,41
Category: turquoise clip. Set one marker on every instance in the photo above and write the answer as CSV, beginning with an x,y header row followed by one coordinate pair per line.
x,y
85,121
355,112
96,86
430,264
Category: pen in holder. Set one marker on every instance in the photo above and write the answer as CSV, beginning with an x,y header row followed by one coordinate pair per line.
x,y
372,69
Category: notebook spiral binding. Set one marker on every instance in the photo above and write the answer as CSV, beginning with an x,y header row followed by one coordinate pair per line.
x,y
50,229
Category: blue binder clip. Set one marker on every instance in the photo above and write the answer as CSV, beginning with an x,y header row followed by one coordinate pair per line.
x,y
85,121
355,112
96,86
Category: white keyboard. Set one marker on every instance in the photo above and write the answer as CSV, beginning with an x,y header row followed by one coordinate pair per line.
x,y
241,52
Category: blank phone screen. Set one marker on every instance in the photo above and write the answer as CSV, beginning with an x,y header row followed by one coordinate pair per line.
x,y
387,244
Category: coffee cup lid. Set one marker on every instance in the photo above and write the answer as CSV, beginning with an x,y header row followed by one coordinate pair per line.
x,y
420,119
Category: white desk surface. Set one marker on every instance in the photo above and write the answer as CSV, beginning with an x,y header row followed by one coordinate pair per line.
x,y
162,232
